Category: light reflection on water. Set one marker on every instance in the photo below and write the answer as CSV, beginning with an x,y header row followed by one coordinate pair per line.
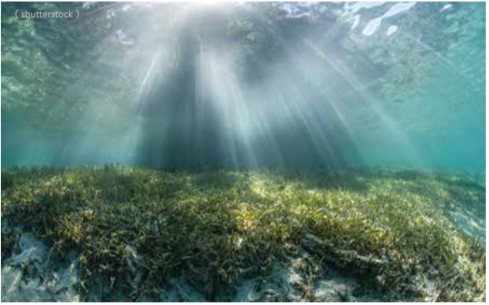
x,y
247,84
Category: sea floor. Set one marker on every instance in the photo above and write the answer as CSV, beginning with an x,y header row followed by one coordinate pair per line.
x,y
131,234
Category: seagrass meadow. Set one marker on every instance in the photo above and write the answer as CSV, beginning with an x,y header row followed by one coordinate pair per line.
x,y
133,231
243,151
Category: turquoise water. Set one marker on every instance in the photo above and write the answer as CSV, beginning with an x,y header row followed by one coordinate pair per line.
x,y
243,151
245,85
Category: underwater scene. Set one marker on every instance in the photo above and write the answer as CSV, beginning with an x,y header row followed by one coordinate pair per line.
x,y
243,151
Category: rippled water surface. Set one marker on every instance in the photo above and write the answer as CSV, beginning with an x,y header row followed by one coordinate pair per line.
x,y
245,85
243,151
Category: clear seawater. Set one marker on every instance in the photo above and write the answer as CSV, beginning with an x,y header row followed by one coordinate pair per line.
x,y
279,151
245,85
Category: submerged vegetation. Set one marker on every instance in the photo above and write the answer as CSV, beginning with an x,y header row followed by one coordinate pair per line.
x,y
133,230
329,88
